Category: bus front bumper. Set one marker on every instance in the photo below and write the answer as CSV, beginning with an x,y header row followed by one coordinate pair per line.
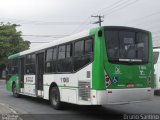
x,y
121,96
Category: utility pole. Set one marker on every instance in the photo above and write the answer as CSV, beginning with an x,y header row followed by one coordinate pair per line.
x,y
99,19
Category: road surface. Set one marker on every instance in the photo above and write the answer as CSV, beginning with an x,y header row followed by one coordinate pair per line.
x,y
36,109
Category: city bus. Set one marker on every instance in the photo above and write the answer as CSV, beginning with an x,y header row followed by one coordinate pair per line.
x,y
99,66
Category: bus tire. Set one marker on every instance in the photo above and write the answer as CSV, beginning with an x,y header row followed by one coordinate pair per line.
x,y
14,90
55,98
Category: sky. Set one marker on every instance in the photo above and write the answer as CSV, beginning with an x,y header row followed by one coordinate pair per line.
x,y
48,20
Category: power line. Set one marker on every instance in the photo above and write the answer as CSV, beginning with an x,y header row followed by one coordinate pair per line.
x,y
53,36
144,17
45,22
116,6
126,5
111,7
108,7
80,26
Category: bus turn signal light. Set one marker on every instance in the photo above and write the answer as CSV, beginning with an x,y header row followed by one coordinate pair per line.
x,y
108,81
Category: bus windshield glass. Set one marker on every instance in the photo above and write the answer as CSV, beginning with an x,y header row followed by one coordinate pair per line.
x,y
127,46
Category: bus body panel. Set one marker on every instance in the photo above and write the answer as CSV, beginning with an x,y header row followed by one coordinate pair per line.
x,y
121,96
123,78
131,73
68,84
29,85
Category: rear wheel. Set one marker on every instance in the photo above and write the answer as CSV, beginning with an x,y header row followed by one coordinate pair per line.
x,y
55,98
14,90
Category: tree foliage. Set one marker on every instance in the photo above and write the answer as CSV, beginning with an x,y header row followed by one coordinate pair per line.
x,y
11,42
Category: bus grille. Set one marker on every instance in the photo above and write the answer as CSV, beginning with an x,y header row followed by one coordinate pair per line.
x,y
84,90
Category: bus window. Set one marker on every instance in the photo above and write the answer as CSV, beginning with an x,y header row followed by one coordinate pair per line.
x,y
88,46
79,48
65,63
33,58
142,46
48,64
82,53
14,67
61,52
123,46
68,50
54,53
127,45
156,55
49,55
54,62
30,64
112,44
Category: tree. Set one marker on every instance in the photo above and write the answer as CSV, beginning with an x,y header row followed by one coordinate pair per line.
x,y
11,42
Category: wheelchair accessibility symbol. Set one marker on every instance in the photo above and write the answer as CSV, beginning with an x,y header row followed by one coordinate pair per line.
x,y
114,79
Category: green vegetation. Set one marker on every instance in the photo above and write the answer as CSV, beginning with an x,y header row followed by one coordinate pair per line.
x,y
11,42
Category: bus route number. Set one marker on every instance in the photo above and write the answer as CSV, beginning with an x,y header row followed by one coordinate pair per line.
x,y
65,79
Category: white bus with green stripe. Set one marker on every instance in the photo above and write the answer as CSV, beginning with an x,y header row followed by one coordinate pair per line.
x,y
103,65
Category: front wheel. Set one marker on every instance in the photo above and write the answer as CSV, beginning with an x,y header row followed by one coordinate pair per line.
x,y
14,91
55,98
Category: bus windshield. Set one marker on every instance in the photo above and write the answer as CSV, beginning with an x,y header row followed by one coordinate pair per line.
x,y
127,46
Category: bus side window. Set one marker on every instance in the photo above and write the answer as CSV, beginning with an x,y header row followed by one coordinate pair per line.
x,y
79,48
64,63
68,50
14,67
83,53
30,64
88,46
48,60
54,62
61,52
68,62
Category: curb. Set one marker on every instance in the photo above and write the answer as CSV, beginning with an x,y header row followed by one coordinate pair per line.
x,y
8,108
10,114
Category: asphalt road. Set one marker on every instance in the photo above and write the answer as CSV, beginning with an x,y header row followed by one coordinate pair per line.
x,y
38,109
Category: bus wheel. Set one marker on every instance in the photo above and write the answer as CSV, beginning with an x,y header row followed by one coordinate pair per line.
x,y
14,91
55,98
